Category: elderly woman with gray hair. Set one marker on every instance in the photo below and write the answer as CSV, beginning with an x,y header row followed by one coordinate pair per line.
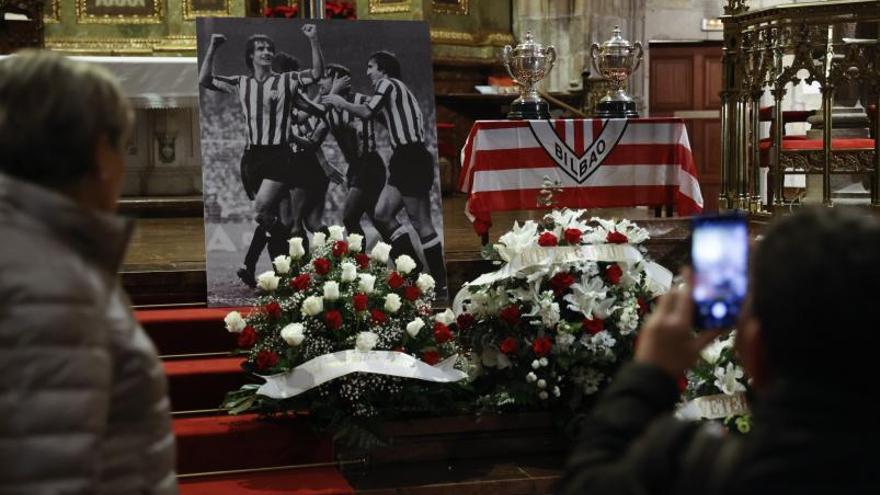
x,y
83,402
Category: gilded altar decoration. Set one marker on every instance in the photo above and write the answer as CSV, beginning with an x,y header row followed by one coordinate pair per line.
x,y
52,12
205,8
458,7
119,12
389,6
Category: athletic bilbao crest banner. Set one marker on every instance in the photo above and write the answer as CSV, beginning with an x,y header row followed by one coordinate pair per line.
x,y
307,124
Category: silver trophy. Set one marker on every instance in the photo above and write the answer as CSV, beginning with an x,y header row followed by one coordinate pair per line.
x,y
615,60
527,64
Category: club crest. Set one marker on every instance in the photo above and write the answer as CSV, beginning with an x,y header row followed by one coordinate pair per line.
x,y
578,164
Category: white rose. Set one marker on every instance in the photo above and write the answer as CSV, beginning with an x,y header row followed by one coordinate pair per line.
x,y
355,242
336,232
536,364
392,303
293,334
413,327
349,271
318,240
425,282
313,305
366,283
543,395
543,361
542,383
331,290
531,377
282,264
296,247
556,392
447,317
380,252
268,281
234,322
405,264
366,341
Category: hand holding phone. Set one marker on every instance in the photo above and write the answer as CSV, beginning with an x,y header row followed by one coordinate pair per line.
x,y
719,254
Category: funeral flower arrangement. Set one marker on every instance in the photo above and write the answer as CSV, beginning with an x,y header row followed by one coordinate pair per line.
x,y
716,387
551,326
338,333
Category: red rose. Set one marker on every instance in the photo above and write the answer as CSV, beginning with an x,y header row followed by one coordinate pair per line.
x,y
333,319
613,273
359,301
542,346
682,383
300,282
560,282
322,266
510,314
340,248
643,306
363,260
465,321
273,309
573,236
441,333
395,281
377,317
431,357
247,338
266,359
547,239
593,325
616,238
412,293
509,345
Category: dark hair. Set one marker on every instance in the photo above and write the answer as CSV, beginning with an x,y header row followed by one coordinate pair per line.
x,y
285,62
387,63
251,46
336,70
53,111
815,290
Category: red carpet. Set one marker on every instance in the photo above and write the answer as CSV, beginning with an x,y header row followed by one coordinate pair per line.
x,y
195,384
314,481
218,443
187,330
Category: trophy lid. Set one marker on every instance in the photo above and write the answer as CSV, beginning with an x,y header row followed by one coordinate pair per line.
x,y
616,40
528,46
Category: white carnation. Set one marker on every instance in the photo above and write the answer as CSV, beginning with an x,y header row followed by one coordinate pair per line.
x,y
282,264
414,327
380,252
366,283
425,282
355,242
349,271
366,341
296,247
293,334
336,232
447,317
268,281
404,264
331,290
313,305
392,303
234,322
318,240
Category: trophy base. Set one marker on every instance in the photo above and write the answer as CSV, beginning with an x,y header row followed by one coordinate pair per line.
x,y
529,110
616,109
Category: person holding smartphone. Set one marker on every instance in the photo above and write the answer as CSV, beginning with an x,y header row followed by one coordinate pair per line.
x,y
804,335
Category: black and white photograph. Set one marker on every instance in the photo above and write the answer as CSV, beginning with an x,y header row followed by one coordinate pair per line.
x,y
307,124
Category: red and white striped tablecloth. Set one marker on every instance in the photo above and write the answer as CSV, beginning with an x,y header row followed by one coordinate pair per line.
x,y
598,163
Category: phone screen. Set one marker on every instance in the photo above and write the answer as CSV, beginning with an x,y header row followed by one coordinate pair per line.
x,y
719,251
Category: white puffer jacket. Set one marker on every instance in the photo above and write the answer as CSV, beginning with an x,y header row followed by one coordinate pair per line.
x,y
83,399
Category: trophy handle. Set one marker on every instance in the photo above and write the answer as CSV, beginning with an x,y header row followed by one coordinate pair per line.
x,y
505,58
638,45
594,56
551,51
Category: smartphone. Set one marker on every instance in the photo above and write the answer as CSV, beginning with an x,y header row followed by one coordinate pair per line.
x,y
720,257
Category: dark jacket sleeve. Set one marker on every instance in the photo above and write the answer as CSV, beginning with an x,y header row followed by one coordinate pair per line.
x,y
630,443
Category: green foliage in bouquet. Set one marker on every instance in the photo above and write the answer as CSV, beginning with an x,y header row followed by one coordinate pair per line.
x,y
551,327
338,298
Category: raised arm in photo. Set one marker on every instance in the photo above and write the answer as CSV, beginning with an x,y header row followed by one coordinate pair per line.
x,y
311,33
207,79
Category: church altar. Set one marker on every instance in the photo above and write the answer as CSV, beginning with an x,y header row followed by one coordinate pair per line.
x,y
594,163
